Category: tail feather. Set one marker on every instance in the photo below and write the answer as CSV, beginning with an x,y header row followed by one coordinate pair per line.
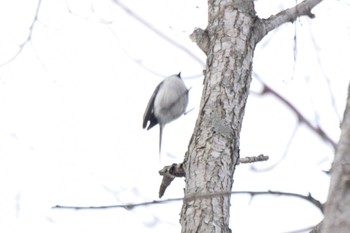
x,y
160,139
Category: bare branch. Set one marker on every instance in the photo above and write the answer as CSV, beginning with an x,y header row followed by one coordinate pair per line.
x,y
125,206
316,129
157,32
169,173
253,159
288,15
308,198
29,37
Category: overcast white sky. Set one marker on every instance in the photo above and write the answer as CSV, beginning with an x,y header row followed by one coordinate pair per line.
x,y
71,107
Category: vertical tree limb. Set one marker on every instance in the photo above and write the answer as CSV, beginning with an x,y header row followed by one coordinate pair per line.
x,y
214,148
337,211
228,41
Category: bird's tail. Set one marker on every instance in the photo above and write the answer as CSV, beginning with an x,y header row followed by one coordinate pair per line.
x,y
160,139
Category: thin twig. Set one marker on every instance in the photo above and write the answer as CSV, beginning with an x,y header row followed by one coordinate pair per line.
x,y
326,77
29,37
157,32
301,118
283,156
308,198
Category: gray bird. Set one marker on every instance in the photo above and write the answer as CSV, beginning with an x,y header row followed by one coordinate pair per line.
x,y
168,102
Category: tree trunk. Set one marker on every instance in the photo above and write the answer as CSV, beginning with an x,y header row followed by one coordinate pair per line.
x,y
229,41
337,211
214,147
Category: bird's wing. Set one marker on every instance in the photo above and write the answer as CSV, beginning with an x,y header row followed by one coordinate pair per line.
x,y
148,115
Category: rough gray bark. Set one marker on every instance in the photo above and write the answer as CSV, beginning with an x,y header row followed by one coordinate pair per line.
x,y
228,41
214,148
337,211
